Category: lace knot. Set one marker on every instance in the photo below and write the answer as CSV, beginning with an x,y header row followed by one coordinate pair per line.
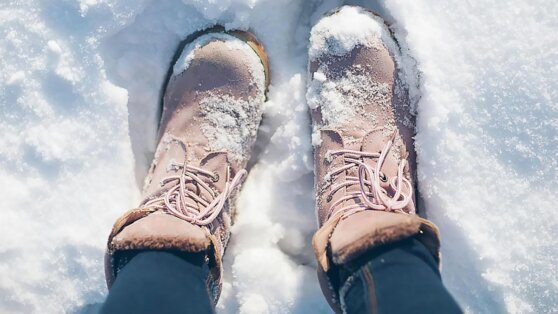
x,y
371,195
187,203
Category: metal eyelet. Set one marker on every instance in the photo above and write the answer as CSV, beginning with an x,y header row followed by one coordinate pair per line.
x,y
383,177
329,198
215,177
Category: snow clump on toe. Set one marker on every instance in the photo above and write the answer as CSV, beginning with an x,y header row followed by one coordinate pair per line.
x,y
334,36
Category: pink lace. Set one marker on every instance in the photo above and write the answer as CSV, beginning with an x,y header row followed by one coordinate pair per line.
x,y
371,194
181,202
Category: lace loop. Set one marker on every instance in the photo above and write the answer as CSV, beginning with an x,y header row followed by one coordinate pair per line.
x,y
371,194
182,202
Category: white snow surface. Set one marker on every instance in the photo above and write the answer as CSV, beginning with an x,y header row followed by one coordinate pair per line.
x,y
80,85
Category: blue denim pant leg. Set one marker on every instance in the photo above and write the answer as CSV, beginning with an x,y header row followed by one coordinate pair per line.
x,y
401,277
160,282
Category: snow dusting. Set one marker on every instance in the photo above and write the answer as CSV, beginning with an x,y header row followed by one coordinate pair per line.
x,y
230,124
80,86
343,98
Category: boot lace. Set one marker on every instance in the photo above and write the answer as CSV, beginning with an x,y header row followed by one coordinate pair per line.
x,y
371,194
180,201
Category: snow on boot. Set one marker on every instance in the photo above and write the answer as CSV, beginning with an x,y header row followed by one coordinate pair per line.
x,y
212,108
363,146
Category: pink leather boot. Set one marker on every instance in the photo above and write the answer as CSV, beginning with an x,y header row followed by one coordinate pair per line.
x,y
212,108
363,146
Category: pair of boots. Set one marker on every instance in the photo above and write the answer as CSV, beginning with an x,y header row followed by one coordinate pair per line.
x,y
212,107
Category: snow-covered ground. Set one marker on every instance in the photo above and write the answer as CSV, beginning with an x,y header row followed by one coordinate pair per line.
x,y
79,93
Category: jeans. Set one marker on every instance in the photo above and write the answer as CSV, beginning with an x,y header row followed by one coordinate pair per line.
x,y
401,277
161,282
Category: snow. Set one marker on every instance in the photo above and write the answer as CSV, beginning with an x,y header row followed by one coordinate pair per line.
x,y
79,94
333,35
343,98
231,124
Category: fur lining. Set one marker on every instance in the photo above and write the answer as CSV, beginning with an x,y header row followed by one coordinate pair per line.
x,y
376,238
424,230
156,243
320,240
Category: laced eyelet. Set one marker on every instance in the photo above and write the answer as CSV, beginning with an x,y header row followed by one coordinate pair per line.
x,y
215,177
383,177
